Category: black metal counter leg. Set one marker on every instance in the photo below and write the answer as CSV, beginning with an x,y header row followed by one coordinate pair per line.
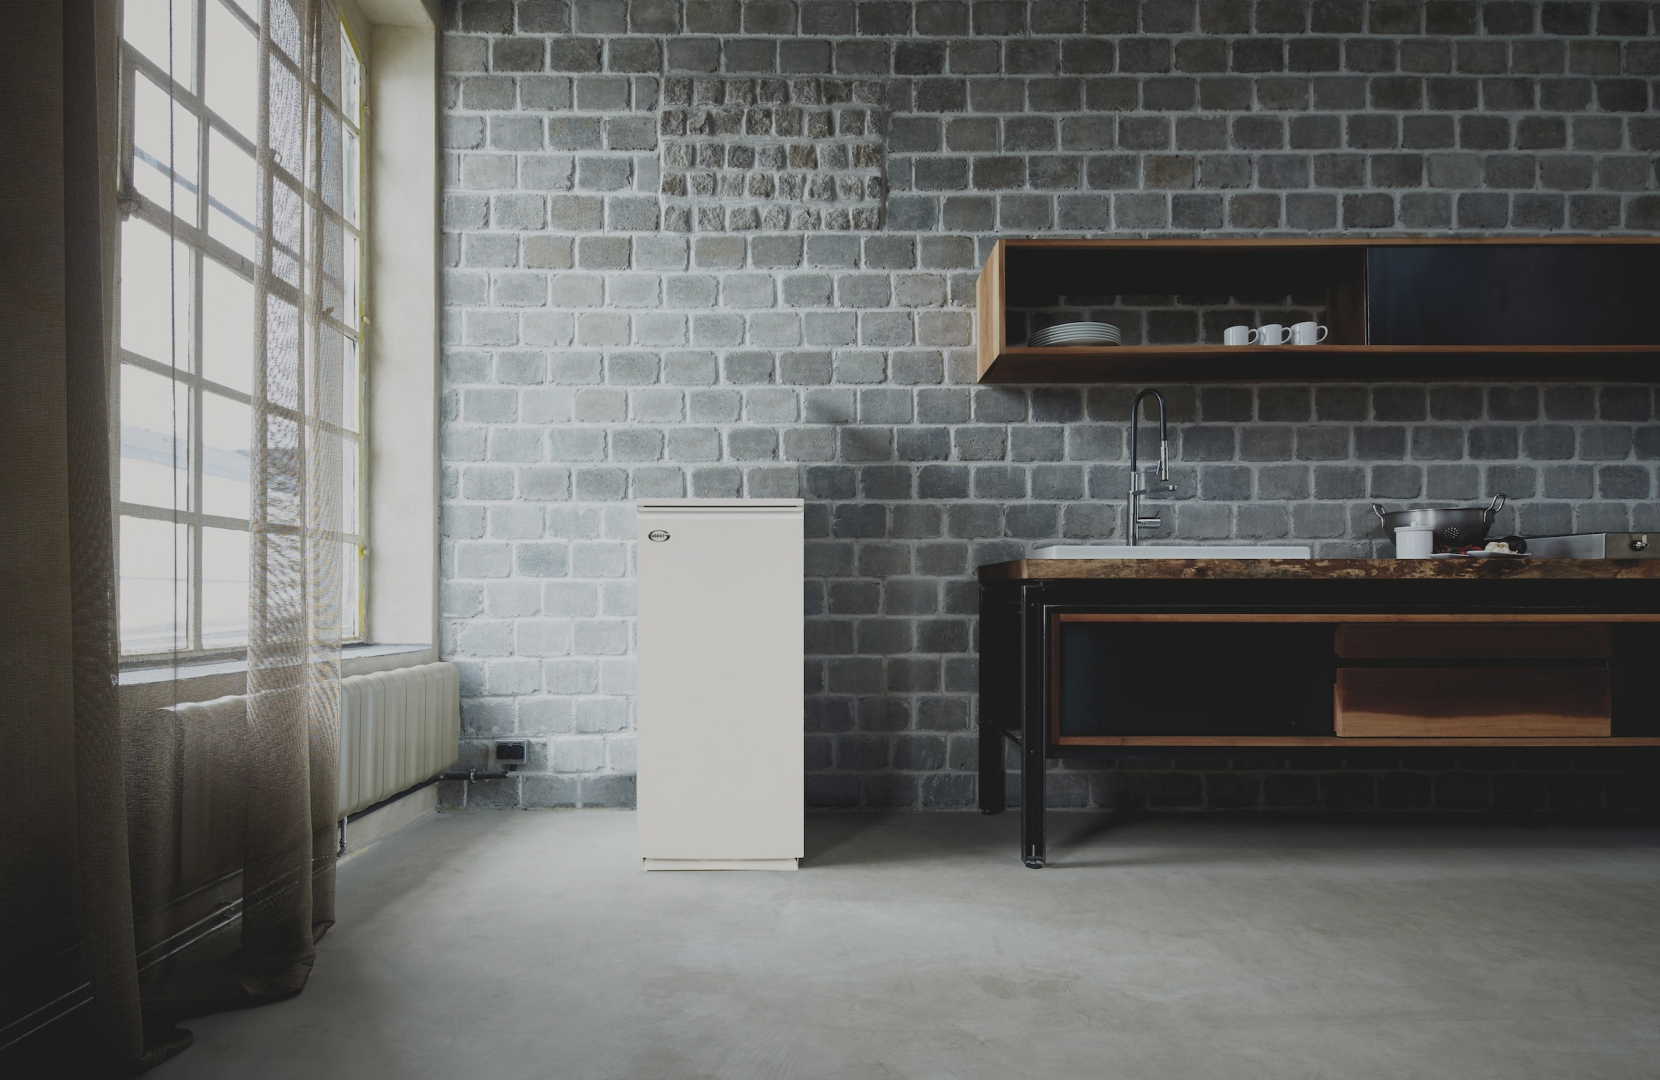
x,y
1033,737
1032,764
992,791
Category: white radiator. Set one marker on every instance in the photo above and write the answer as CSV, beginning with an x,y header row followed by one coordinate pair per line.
x,y
397,728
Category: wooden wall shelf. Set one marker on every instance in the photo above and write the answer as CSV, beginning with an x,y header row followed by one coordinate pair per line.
x,y
1331,275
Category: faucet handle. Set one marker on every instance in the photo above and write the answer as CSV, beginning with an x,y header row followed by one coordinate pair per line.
x,y
1146,482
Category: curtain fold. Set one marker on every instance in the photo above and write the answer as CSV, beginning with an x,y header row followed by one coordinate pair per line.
x,y
294,574
103,873
106,875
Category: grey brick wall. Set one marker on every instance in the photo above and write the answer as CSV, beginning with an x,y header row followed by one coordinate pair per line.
x,y
651,289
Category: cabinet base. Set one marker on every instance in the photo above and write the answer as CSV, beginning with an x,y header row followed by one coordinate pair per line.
x,y
720,864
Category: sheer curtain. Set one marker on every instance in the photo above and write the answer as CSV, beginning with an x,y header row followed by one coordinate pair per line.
x,y
294,535
101,951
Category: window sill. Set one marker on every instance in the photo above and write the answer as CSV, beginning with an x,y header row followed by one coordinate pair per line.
x,y
354,660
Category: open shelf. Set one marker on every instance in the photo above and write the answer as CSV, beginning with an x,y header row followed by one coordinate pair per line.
x,y
1159,289
1174,741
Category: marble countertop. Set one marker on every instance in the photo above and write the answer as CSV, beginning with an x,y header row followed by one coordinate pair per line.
x,y
1522,569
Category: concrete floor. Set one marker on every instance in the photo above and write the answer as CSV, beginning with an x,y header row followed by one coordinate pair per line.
x,y
917,946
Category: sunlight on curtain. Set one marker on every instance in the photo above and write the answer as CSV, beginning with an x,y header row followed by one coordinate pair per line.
x,y
232,360
295,522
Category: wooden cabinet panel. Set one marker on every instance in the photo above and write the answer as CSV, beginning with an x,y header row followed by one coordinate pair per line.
x,y
1384,641
1402,702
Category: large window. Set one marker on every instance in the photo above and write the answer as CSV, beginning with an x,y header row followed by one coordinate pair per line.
x,y
186,356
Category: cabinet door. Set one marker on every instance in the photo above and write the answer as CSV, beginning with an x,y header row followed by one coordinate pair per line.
x,y
1511,294
719,694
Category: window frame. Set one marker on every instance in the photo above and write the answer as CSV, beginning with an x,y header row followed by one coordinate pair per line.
x,y
188,377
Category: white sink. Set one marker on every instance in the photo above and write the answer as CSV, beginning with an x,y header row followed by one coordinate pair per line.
x,y
1171,551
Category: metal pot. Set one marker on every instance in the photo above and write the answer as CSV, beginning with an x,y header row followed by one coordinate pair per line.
x,y
1458,526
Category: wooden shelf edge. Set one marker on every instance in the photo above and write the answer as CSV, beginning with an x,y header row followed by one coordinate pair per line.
x,y
1315,243
1326,617
1334,740
1322,364
1107,352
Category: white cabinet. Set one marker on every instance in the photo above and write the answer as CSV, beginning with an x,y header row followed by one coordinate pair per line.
x,y
719,697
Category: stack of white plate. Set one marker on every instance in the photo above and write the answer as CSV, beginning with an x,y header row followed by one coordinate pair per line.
x,y
1076,333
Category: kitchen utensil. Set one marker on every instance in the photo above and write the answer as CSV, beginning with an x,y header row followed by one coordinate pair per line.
x,y
1453,525
1414,542
1307,333
1239,335
1271,334
1618,545
1075,333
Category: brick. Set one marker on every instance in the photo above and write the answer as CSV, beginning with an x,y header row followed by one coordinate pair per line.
x,y
778,365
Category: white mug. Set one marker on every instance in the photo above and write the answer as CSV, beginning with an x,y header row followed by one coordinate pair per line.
x,y
1308,333
1272,334
1239,335
1414,542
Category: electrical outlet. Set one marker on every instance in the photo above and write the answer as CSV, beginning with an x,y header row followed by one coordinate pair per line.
x,y
510,753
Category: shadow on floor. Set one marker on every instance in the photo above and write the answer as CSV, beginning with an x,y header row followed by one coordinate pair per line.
x,y
1080,839
860,838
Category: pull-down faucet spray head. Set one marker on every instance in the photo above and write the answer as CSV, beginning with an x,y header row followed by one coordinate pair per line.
x,y
1164,433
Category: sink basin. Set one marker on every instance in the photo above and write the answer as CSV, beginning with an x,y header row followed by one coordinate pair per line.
x,y
1170,551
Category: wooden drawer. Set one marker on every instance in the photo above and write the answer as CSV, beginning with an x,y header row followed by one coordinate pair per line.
x,y
1495,702
1475,641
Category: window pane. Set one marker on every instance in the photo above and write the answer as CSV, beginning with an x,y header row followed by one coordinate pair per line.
x,y
327,183
231,190
226,434
349,593
348,485
349,176
280,491
348,307
155,440
224,587
349,71
227,327
232,69
147,288
157,150
144,23
349,418
155,585
288,221
282,338
285,108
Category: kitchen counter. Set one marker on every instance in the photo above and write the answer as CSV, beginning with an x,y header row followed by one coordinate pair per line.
x,y
1524,569
1107,657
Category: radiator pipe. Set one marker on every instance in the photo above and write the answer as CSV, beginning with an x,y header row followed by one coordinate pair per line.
x,y
469,775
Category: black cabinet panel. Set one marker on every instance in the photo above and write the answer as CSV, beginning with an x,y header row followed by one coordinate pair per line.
x,y
1636,680
1524,294
1195,679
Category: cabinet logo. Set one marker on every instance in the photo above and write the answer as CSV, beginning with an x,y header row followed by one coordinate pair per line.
x,y
657,535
